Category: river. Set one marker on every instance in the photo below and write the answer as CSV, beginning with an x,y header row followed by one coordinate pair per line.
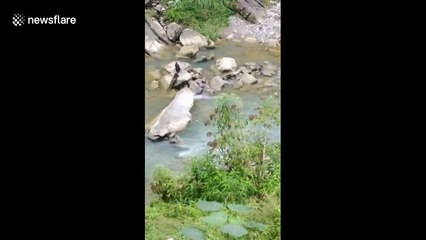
x,y
194,139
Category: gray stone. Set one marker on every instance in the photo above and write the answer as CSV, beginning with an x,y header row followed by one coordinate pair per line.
x,y
171,66
226,64
189,51
173,31
216,83
191,37
184,76
248,79
165,81
174,118
211,44
195,87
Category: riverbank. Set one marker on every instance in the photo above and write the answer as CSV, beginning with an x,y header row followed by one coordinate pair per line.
x,y
209,21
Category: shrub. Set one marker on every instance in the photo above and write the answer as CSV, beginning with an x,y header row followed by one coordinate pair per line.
x,y
240,164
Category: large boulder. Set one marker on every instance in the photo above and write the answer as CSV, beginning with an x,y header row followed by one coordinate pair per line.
x,y
172,69
174,118
165,81
248,79
184,76
216,83
173,31
190,37
251,10
226,64
197,89
157,29
152,44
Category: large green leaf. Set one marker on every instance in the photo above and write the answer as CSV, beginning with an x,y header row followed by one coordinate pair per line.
x,y
234,229
209,206
192,233
238,208
216,218
256,225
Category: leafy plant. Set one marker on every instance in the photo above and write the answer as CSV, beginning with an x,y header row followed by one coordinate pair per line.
x,y
192,233
204,16
229,222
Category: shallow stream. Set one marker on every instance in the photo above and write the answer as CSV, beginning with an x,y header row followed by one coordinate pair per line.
x,y
193,138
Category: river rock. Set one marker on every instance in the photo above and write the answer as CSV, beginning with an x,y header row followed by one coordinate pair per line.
x,y
174,118
184,76
226,64
188,51
211,44
152,45
171,66
197,70
159,8
242,69
238,84
157,28
173,31
248,79
204,59
268,69
216,83
195,87
191,37
251,10
165,81
229,75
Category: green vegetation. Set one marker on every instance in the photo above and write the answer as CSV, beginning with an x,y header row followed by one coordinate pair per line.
x,y
204,16
233,191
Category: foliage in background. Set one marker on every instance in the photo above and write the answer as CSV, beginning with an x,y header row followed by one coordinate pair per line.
x,y
204,16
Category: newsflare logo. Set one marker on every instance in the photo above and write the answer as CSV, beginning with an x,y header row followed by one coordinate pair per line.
x,y
19,19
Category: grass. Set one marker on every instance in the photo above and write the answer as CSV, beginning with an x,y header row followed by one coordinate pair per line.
x,y
204,16
164,220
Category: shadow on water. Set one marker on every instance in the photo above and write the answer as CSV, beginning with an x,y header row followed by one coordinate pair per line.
x,y
194,139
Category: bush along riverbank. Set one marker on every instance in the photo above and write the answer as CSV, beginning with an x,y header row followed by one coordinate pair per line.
x,y
230,192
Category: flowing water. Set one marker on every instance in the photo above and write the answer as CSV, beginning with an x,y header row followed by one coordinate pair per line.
x,y
193,138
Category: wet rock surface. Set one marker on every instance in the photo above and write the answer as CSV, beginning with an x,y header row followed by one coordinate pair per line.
x,y
266,30
189,82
